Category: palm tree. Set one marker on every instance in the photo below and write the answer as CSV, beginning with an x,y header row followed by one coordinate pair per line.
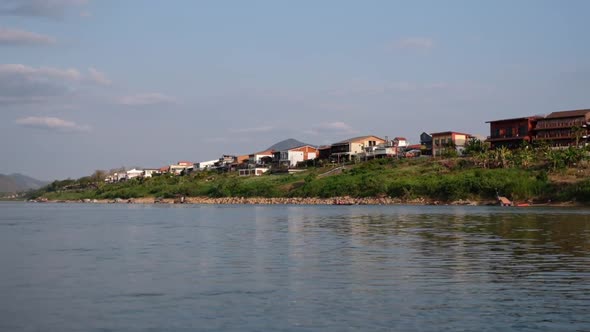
x,y
504,156
525,155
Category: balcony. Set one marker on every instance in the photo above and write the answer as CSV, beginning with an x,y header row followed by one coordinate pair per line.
x,y
497,138
560,125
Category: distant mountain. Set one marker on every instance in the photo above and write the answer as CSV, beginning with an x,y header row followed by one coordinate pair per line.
x,y
18,182
287,144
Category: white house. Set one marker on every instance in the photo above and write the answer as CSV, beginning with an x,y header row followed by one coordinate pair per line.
x,y
256,158
147,173
134,173
291,157
203,165
116,177
401,143
301,153
181,166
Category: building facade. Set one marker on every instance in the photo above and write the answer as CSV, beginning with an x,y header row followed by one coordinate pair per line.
x,y
443,141
345,150
511,133
426,142
565,128
295,155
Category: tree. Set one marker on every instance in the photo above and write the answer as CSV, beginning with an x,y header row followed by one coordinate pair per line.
x,y
555,159
482,158
98,176
578,133
449,150
504,156
524,156
475,146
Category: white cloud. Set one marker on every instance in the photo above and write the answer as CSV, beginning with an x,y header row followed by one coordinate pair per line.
x,y
51,123
25,84
414,43
336,127
40,73
39,8
13,37
98,77
144,99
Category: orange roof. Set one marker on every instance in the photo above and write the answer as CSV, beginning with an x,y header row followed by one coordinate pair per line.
x,y
241,159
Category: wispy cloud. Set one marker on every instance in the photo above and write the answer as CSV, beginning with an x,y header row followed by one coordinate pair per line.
x,y
39,8
98,77
15,37
25,84
336,127
40,72
145,99
51,124
414,43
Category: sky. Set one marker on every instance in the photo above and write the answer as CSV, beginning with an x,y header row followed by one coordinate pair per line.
x,y
101,84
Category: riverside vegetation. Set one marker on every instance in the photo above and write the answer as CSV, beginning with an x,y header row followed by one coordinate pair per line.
x,y
534,174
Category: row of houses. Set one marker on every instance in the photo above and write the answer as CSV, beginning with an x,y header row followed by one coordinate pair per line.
x,y
558,129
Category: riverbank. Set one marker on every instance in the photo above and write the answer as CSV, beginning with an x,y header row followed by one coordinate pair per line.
x,y
379,182
296,201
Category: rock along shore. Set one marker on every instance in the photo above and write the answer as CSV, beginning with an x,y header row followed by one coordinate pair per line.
x,y
280,201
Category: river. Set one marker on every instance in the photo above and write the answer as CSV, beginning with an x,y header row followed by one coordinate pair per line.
x,y
98,267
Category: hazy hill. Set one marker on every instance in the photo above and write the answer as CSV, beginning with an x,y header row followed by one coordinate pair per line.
x,y
287,144
18,182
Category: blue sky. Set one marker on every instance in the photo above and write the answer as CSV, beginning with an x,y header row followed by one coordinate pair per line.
x,y
88,85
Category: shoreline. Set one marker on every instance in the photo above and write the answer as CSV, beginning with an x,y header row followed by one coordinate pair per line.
x,y
300,201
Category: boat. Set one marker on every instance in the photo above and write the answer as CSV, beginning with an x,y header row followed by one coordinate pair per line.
x,y
503,200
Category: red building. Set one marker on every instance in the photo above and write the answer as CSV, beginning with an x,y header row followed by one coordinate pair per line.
x,y
511,133
564,128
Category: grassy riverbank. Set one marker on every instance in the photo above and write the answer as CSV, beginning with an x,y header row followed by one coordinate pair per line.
x,y
407,180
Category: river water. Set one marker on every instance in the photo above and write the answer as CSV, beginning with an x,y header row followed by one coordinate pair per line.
x,y
76,267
